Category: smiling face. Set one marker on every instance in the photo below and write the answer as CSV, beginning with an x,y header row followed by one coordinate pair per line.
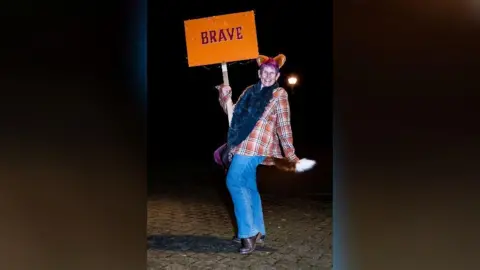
x,y
268,75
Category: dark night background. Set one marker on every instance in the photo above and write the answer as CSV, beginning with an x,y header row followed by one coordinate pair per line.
x,y
185,121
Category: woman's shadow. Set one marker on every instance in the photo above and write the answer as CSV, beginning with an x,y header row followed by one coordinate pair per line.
x,y
191,243
195,243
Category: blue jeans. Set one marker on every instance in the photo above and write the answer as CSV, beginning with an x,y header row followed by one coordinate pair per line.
x,y
247,204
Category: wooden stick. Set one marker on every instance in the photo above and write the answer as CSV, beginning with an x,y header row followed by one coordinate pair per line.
x,y
225,73
229,104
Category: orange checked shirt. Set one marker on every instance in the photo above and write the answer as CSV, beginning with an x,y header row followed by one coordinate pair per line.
x,y
272,128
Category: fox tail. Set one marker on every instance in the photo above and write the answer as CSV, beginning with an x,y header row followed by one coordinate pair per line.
x,y
289,166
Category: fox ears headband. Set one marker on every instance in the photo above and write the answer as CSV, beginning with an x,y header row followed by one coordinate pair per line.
x,y
276,61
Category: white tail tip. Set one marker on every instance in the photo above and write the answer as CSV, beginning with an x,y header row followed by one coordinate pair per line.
x,y
304,165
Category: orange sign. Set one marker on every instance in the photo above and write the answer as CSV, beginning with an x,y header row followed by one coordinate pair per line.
x,y
225,38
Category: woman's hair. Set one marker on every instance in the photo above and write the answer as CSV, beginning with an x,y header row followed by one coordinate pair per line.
x,y
271,63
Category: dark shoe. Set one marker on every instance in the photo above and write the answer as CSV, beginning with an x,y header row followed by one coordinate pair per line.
x,y
260,241
249,244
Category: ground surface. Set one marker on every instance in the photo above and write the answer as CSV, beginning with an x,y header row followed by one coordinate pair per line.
x,y
189,227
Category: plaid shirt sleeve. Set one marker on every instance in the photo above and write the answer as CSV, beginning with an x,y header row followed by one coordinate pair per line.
x,y
284,128
226,98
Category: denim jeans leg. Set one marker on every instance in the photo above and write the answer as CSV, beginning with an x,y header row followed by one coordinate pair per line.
x,y
257,210
241,172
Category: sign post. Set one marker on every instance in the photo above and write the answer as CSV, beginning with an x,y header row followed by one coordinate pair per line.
x,y
225,74
229,104
221,39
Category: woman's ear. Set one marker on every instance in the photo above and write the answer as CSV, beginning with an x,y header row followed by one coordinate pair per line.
x,y
280,59
261,59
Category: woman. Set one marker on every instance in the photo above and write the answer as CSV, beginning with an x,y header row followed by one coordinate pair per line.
x,y
260,123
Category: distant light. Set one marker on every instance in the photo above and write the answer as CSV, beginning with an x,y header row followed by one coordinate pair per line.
x,y
292,80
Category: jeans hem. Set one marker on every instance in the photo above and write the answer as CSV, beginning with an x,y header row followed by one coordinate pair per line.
x,y
247,236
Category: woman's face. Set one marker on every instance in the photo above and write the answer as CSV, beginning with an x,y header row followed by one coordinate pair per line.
x,y
268,75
